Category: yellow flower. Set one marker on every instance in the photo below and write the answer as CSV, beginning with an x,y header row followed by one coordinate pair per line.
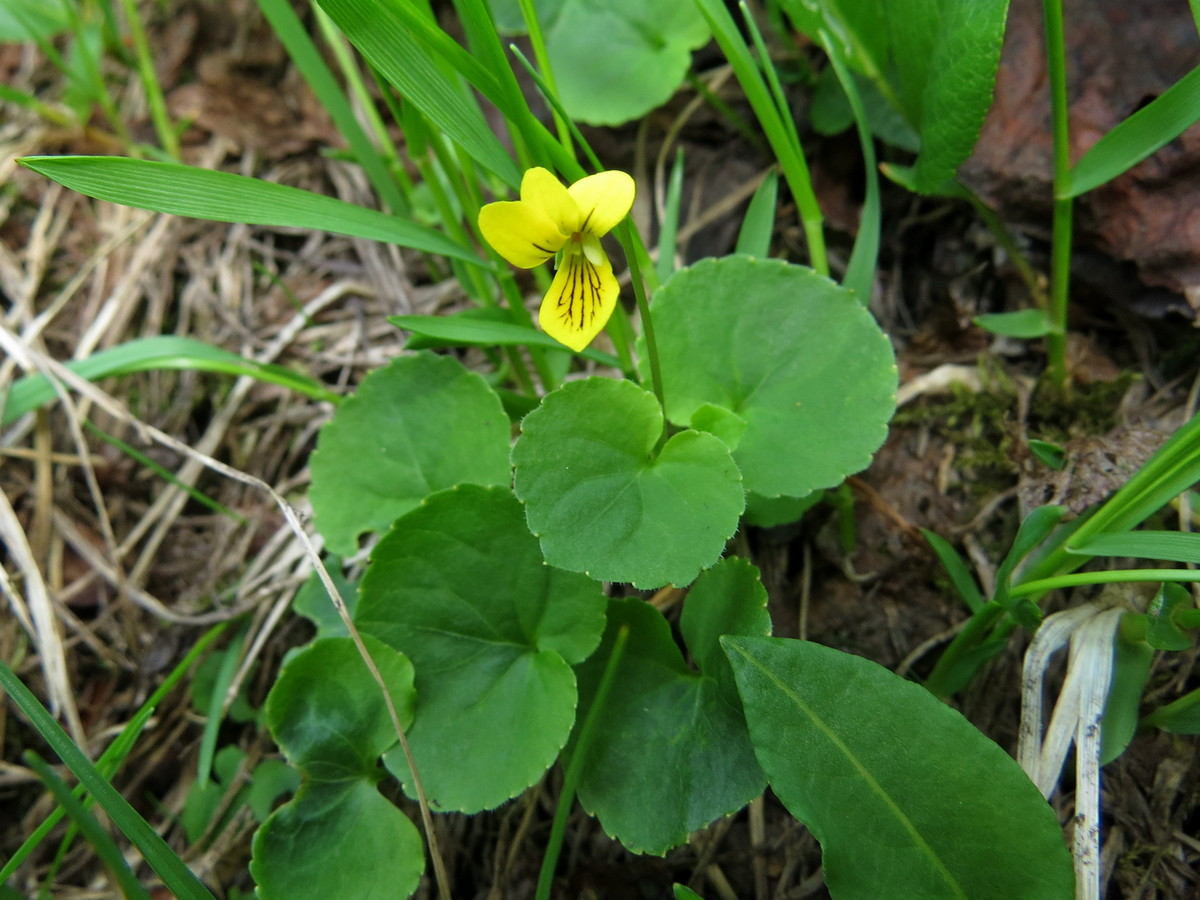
x,y
550,218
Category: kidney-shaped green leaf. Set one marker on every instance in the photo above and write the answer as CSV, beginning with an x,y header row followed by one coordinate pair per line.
x,y
326,713
460,586
328,716
792,354
672,753
604,504
337,840
907,798
420,424
645,54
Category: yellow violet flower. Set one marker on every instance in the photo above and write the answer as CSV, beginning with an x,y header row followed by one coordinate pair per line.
x,y
550,218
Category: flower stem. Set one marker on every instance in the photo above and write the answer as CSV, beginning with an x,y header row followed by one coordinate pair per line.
x,y
1060,266
643,303
574,769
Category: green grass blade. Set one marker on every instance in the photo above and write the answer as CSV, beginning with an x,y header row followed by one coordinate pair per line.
x,y
860,270
754,237
783,142
304,53
90,828
174,873
1175,546
214,716
160,352
960,575
464,332
668,229
164,473
225,197
144,61
114,755
403,46
1142,134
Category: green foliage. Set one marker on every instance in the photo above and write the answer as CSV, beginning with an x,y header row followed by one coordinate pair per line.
x,y
645,55
1146,131
24,20
419,424
672,752
786,351
225,197
156,353
935,61
602,500
943,810
459,585
329,718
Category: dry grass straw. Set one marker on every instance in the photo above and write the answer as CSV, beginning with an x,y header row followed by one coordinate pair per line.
x,y
105,562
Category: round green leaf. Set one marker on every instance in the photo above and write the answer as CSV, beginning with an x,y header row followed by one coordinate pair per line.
x,y
420,424
789,352
460,586
645,54
326,712
338,839
907,798
602,503
672,752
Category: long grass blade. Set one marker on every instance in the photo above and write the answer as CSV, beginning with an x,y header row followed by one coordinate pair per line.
x,y
90,828
159,352
170,868
1145,132
226,197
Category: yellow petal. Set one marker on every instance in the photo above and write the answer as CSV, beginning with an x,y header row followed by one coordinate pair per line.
x,y
579,302
604,200
542,189
520,232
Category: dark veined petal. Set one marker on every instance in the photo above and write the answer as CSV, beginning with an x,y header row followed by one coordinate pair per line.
x,y
580,301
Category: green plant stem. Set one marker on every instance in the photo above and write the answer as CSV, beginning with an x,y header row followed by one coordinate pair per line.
x,y
571,778
1060,264
643,303
167,136
1112,576
534,27
98,85
782,138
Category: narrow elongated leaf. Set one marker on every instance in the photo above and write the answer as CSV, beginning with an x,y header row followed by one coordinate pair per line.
x,y
1145,132
478,332
754,237
907,798
960,576
158,352
382,32
1176,546
226,197
173,871
1025,323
